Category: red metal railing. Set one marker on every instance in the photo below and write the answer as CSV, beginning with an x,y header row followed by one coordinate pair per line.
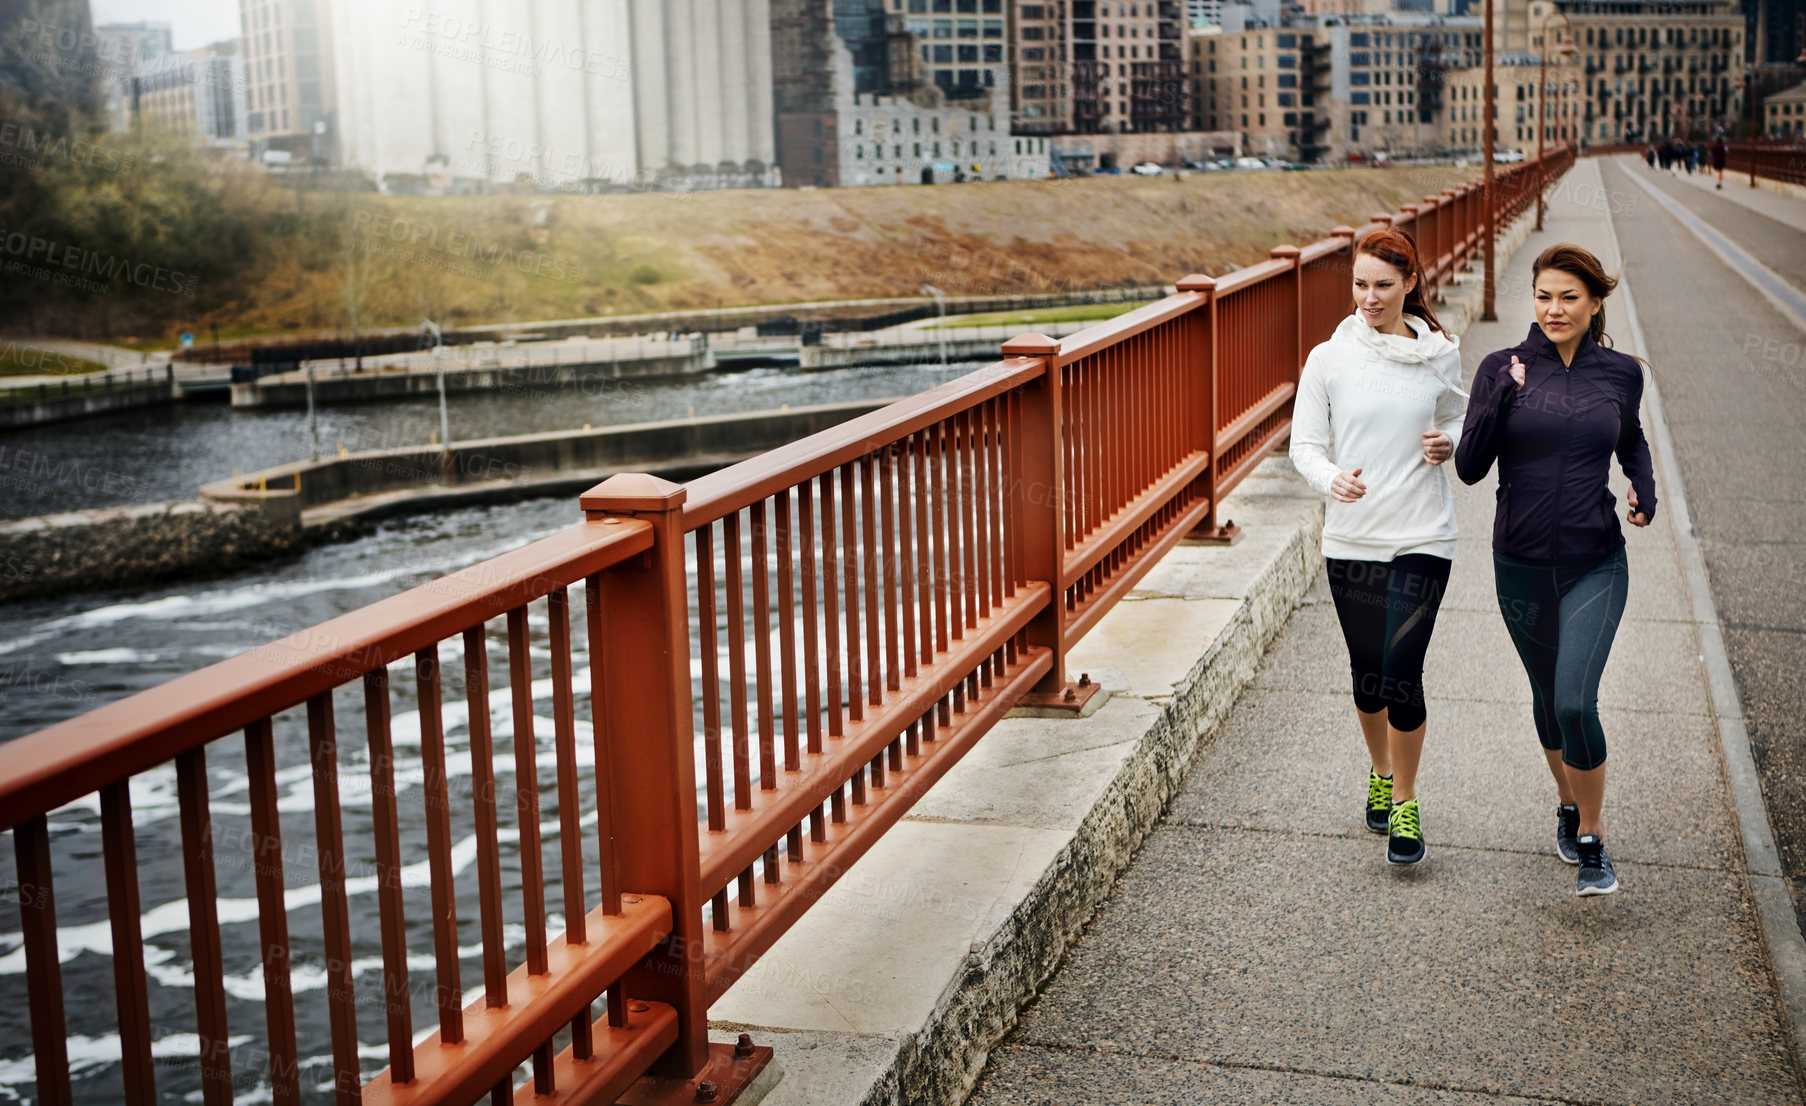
x,y
1773,159
859,608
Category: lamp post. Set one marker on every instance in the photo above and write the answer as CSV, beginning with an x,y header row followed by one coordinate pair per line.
x,y
940,303
1487,314
1542,95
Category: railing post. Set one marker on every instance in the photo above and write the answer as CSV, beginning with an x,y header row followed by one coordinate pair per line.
x,y
641,684
1037,499
1293,254
1204,416
1429,253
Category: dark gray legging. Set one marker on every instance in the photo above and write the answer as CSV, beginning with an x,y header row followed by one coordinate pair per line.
x,y
1562,618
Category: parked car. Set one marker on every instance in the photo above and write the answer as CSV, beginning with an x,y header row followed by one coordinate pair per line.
x,y
1147,169
1508,155
1249,163
1109,171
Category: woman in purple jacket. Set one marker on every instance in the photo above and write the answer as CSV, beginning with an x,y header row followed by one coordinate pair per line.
x,y
1552,411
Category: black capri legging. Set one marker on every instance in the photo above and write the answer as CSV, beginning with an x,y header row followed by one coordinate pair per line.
x,y
1388,611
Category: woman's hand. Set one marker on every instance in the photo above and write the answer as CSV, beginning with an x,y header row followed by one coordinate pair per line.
x,y
1437,447
1347,486
1516,371
1635,517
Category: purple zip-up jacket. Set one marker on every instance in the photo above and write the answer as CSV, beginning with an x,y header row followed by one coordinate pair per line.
x,y
1554,439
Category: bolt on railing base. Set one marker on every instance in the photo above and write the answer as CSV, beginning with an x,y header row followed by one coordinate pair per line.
x,y
730,1071
1226,534
1072,697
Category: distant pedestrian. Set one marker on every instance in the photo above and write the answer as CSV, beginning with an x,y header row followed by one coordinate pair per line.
x,y
1552,411
1720,152
1378,411
1649,155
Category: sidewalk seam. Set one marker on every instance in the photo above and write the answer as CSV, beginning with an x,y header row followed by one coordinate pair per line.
x,y
1281,1069
1769,893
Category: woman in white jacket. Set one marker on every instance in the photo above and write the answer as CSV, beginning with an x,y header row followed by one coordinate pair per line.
x,y
1378,411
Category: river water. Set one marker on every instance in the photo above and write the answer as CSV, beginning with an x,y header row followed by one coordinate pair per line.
x,y
60,657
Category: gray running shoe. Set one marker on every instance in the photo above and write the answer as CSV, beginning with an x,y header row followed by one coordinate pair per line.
x,y
1596,875
1567,828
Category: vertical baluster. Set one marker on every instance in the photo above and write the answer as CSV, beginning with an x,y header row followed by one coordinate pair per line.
x,y
335,913
793,761
130,992
830,597
43,971
959,537
871,562
609,871
203,927
388,876
736,659
981,507
849,526
966,455
482,779
448,994
937,467
526,791
994,496
709,650
768,767
1015,488
887,565
805,504
924,546
1071,488
906,570
570,836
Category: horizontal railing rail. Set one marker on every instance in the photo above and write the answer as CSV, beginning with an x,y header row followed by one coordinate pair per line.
x,y
783,657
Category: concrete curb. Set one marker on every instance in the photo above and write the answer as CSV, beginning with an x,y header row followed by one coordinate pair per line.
x,y
1773,899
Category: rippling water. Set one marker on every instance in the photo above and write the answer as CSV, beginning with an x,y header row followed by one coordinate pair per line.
x,y
60,657
154,454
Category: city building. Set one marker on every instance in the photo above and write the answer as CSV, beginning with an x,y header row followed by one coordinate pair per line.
x,y
959,43
290,94
1784,113
198,94
557,95
860,103
1100,66
121,50
1655,68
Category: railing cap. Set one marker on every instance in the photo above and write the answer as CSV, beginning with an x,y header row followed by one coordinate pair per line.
x,y
1343,231
1196,282
1283,251
1031,344
1382,217
627,493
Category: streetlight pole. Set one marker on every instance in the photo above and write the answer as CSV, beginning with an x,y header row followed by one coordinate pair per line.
x,y
940,303
1487,296
1542,100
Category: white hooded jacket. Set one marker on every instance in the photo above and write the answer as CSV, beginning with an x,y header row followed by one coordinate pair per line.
x,y
1365,400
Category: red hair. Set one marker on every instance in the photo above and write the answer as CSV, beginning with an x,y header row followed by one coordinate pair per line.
x,y
1399,250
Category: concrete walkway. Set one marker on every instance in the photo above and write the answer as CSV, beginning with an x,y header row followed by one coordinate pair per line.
x,y
1260,949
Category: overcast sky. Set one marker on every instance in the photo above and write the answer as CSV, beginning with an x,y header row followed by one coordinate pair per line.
x,y
194,22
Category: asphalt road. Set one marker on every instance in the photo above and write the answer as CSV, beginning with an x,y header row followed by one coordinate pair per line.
x,y
1732,369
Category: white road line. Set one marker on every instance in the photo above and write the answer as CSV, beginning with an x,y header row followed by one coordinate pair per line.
x,y
1773,286
1774,902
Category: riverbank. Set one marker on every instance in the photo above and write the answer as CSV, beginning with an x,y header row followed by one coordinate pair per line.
x,y
282,510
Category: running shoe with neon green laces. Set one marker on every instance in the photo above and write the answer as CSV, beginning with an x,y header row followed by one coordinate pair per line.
x,y
1379,801
1405,846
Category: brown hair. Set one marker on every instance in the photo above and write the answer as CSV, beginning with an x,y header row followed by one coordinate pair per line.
x,y
1399,250
1566,257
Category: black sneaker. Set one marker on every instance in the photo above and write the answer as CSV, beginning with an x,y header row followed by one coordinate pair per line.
x,y
1567,828
1596,875
1379,801
1405,846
